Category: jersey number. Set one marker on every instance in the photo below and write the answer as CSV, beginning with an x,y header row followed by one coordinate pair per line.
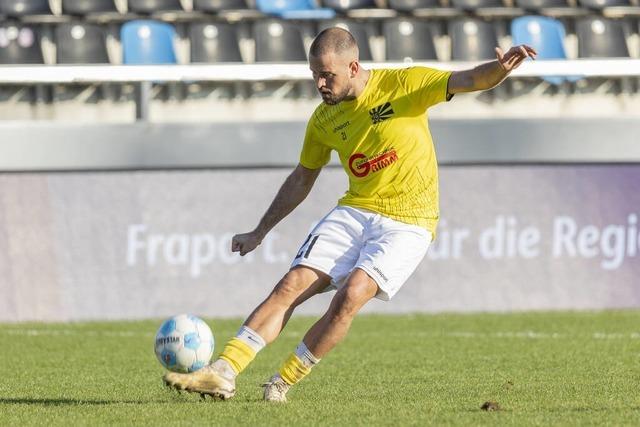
x,y
305,250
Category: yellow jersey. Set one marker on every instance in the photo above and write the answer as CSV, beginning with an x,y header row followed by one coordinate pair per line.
x,y
382,138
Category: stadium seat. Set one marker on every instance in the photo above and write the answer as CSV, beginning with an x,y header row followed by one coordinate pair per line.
x,y
612,8
153,6
488,8
19,44
84,7
294,9
472,40
553,8
278,41
148,42
359,30
80,43
546,35
424,8
408,39
214,42
230,10
366,9
601,38
16,8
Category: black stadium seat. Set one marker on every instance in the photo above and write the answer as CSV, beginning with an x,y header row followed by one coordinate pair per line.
x,y
476,4
601,4
411,5
218,5
408,39
601,38
345,5
472,40
153,6
359,30
80,43
214,42
24,7
278,41
19,44
84,7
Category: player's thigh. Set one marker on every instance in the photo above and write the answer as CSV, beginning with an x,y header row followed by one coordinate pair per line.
x,y
392,256
334,244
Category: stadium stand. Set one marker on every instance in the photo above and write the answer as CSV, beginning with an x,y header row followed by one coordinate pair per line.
x,y
19,44
80,43
154,6
601,38
294,9
213,42
278,41
85,7
408,40
148,42
19,8
365,9
472,39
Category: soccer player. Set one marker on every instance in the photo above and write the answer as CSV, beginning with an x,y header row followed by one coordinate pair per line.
x,y
376,236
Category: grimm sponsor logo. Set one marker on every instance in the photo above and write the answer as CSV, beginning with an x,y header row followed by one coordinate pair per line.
x,y
342,126
167,340
380,113
377,270
360,165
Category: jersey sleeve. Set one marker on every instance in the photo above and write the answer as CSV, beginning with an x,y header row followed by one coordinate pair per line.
x,y
314,154
426,86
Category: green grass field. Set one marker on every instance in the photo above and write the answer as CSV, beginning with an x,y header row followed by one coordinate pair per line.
x,y
542,369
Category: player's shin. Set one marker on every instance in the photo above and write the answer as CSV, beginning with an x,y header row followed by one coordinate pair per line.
x,y
239,351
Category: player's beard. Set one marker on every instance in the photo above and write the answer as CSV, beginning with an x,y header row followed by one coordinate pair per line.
x,y
333,99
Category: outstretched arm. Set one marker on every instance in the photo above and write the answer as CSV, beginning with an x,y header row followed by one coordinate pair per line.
x,y
291,194
490,74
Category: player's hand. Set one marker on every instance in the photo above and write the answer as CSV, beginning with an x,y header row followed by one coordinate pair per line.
x,y
515,56
245,243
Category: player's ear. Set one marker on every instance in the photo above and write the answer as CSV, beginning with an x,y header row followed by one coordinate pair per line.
x,y
354,66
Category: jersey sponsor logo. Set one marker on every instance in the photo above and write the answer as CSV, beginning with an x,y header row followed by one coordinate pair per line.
x,y
342,126
380,113
361,165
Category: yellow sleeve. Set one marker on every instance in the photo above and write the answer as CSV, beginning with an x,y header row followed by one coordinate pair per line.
x,y
426,86
314,153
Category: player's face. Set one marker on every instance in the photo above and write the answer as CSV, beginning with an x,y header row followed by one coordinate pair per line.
x,y
333,77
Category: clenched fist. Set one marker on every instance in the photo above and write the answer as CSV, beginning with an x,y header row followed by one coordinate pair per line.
x,y
245,243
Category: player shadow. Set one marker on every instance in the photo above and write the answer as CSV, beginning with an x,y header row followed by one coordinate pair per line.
x,y
65,402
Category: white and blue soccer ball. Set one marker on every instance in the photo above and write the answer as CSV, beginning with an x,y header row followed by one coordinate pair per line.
x,y
184,343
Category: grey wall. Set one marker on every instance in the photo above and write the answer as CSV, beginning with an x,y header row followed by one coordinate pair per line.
x,y
57,146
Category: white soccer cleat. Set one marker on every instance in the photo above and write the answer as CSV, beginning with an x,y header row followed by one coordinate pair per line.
x,y
206,381
275,390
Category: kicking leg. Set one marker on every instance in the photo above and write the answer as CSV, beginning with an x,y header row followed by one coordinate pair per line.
x,y
261,328
323,336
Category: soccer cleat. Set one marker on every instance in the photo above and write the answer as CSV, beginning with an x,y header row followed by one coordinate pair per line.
x,y
205,381
275,390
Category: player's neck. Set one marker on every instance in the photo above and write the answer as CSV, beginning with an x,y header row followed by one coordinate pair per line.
x,y
361,82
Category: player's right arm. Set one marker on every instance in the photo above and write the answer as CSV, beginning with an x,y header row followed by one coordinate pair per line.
x,y
292,192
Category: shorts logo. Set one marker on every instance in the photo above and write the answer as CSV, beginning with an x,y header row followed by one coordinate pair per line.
x,y
377,270
360,165
380,113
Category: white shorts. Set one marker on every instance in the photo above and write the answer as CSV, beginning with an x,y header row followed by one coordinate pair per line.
x,y
348,238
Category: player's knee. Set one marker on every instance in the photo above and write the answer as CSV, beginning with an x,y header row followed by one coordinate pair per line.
x,y
352,297
289,288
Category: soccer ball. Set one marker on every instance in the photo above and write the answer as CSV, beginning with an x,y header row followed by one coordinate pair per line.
x,y
184,343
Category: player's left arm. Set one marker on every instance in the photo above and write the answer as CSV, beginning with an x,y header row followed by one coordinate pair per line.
x,y
490,74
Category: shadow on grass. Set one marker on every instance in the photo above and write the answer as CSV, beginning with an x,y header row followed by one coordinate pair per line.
x,y
68,402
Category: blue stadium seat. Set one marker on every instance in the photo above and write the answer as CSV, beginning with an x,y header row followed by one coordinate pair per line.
x,y
545,35
148,42
294,9
19,44
16,8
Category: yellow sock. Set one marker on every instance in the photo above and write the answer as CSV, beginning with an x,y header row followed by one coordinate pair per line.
x,y
293,370
238,354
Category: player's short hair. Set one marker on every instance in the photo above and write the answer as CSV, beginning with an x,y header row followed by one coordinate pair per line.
x,y
333,40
